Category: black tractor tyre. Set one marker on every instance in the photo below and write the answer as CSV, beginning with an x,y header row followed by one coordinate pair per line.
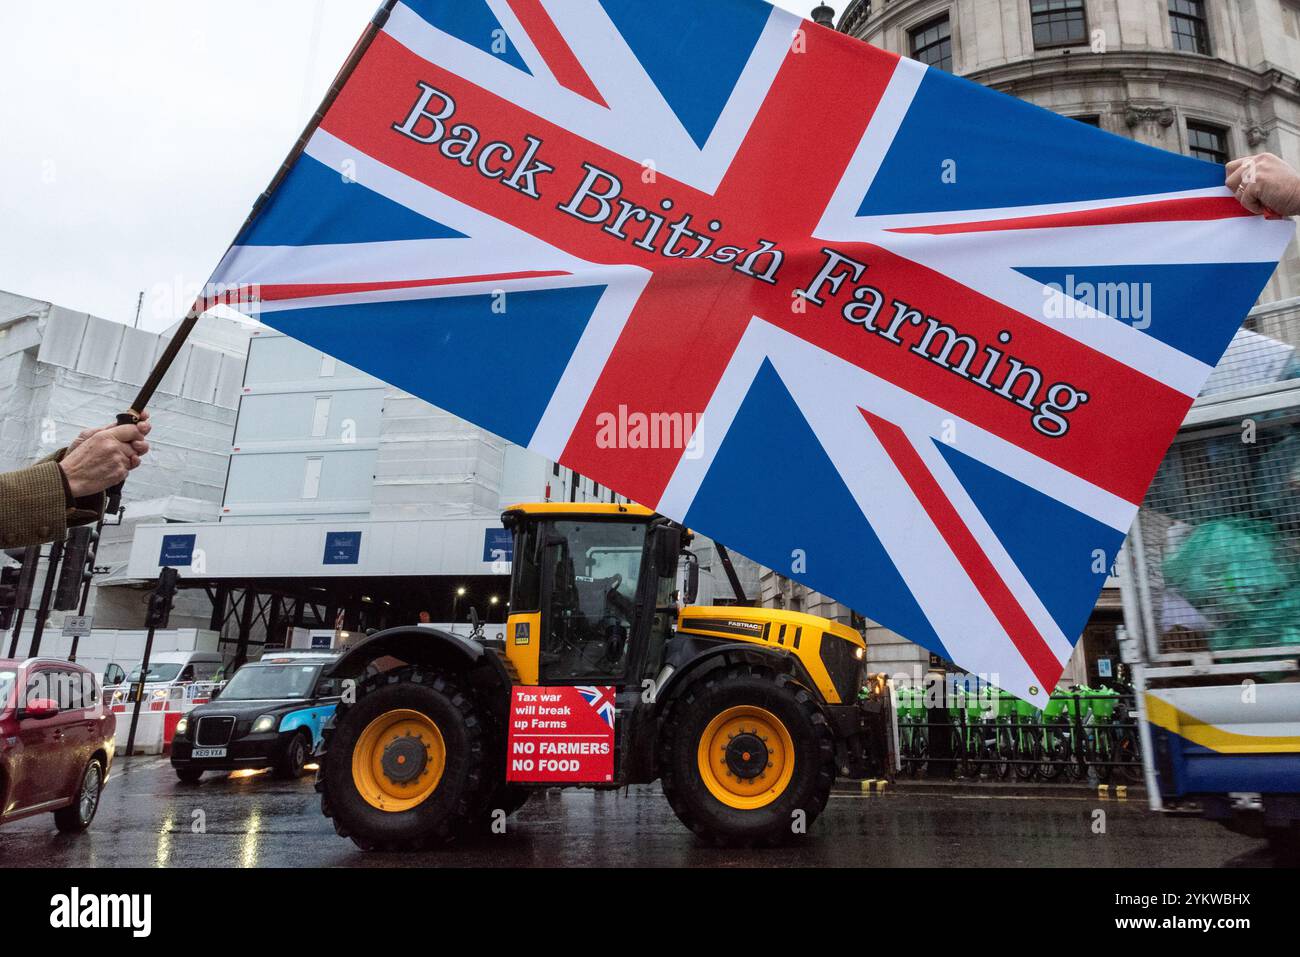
x,y
498,795
189,775
454,805
294,760
804,796
506,797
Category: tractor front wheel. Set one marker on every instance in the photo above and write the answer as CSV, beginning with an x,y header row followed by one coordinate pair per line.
x,y
747,757
405,765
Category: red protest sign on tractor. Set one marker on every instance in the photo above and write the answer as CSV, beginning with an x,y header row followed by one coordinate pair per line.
x,y
561,735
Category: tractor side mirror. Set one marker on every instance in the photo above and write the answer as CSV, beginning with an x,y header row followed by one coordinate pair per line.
x,y
692,579
473,617
667,546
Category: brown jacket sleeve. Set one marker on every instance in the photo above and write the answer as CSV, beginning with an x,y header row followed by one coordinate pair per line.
x,y
34,508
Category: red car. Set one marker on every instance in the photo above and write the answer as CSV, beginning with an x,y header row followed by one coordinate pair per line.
x,y
56,742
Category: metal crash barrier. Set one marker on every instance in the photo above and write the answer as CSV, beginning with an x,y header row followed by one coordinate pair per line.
x,y
1083,733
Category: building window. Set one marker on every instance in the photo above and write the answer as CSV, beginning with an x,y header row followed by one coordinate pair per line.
x,y
1058,22
320,417
1291,19
932,43
1208,142
327,366
1093,120
1187,21
311,478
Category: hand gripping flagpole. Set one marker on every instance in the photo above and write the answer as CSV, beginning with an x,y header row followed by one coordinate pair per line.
x,y
132,416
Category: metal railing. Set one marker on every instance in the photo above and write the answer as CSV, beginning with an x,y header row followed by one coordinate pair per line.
x,y
1080,736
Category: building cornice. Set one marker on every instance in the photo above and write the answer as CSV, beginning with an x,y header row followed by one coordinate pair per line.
x,y
863,18
868,16
1085,69
856,13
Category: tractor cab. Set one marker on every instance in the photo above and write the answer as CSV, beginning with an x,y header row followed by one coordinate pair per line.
x,y
593,593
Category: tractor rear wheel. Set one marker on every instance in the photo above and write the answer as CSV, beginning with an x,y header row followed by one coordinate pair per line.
x,y
404,769
747,757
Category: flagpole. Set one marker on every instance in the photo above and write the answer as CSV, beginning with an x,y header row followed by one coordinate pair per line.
x,y
345,73
132,416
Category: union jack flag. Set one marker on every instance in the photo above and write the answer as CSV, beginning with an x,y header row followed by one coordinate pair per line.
x,y
865,292
602,699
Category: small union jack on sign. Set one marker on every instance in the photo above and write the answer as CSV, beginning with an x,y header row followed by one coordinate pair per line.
x,y
602,699
561,735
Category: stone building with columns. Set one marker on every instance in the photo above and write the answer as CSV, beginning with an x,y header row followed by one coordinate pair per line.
x,y
1210,78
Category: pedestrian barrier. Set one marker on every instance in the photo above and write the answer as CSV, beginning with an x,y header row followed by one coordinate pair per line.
x,y
1082,733
160,714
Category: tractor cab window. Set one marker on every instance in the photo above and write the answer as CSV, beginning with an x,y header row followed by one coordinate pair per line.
x,y
590,572
526,569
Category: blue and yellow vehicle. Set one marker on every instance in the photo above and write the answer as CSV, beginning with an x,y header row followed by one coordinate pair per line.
x,y
1210,579
271,714
746,715
1234,750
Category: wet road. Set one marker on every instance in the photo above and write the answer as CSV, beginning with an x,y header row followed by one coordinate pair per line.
x,y
148,819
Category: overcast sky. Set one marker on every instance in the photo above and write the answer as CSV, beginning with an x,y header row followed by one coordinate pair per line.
x,y
137,133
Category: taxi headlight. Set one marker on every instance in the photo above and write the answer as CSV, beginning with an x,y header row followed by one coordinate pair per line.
x,y
182,726
266,722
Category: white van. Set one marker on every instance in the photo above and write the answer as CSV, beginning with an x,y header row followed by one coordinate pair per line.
x,y
169,673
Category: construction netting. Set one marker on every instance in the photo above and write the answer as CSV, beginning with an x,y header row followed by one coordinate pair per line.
x,y
1219,543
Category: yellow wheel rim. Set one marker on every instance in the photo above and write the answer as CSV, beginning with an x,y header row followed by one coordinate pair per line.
x,y
398,760
746,757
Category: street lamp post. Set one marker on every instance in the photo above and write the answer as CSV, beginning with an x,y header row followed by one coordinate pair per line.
x,y
824,15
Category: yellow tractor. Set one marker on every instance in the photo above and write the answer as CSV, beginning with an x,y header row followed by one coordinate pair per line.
x,y
747,715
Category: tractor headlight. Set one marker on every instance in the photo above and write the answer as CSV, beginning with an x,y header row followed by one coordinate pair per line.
x,y
182,726
266,722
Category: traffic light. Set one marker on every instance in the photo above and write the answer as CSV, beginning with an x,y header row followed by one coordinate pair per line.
x,y
16,583
160,600
77,568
